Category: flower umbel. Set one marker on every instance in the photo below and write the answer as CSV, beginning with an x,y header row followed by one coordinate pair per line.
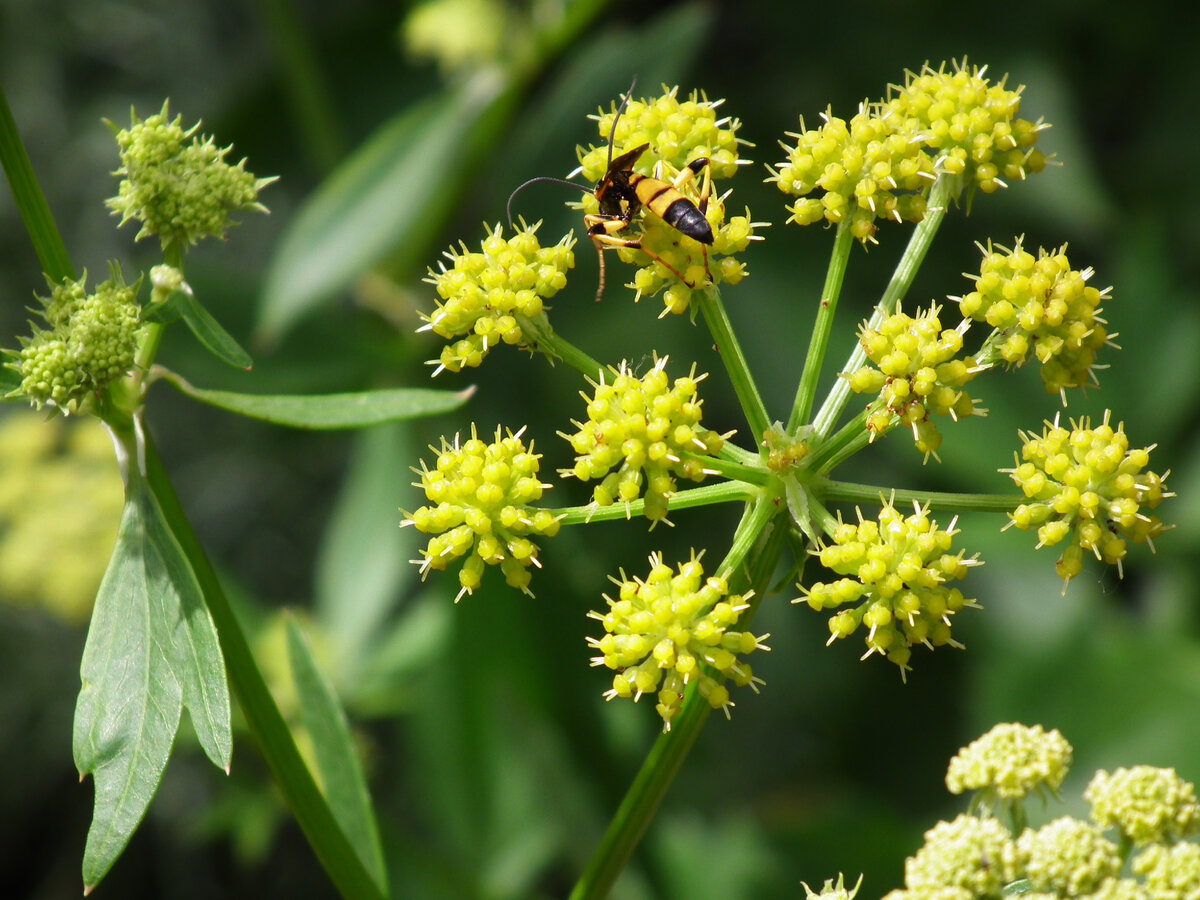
x,y
1011,762
1087,486
480,495
1067,857
898,568
90,343
671,629
493,296
178,185
976,855
1148,805
1041,308
640,436
916,375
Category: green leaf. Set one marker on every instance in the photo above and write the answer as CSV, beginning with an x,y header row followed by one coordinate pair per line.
x,y
170,310
10,381
330,412
386,200
151,650
345,786
210,333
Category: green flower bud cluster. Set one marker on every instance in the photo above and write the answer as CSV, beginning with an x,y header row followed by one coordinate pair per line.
x,y
492,296
678,131
641,434
1148,805
897,571
867,169
975,857
1011,762
90,343
916,375
970,125
1041,308
1088,488
178,185
480,495
671,629
832,891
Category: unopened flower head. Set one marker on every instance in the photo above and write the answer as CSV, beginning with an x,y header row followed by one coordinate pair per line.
x,y
90,343
865,170
898,572
1011,762
1170,873
968,853
832,891
970,125
492,296
641,435
678,132
1149,805
479,508
1087,487
177,184
1040,308
917,375
671,629
1067,857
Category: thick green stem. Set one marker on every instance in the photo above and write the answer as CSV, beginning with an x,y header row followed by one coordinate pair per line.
x,y
724,492
945,188
730,351
822,326
758,544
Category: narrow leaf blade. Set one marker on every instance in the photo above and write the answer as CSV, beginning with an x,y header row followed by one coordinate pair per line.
x,y
330,412
212,335
345,786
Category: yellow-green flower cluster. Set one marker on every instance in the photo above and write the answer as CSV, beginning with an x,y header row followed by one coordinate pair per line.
x,y
60,502
832,891
678,131
1067,857
90,343
491,297
671,629
460,34
897,572
1011,762
916,375
972,854
1088,488
479,497
1040,308
641,435
970,125
1149,805
178,185
1169,873
866,169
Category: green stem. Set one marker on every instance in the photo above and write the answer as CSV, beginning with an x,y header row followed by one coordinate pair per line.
x,y
848,440
724,492
730,351
844,491
822,326
944,189
30,201
761,545
337,856
541,336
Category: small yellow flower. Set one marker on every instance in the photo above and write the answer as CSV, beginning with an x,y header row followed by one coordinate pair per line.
x,y
480,495
1067,857
640,436
1170,873
971,854
492,296
670,630
1085,484
898,569
1149,805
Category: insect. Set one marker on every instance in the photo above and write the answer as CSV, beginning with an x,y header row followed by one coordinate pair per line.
x,y
622,193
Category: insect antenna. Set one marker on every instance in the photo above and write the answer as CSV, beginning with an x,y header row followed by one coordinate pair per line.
x,y
612,134
542,178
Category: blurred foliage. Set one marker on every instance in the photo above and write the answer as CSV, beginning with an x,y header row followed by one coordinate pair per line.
x,y
493,759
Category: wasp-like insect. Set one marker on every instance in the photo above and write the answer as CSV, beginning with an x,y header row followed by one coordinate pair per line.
x,y
622,192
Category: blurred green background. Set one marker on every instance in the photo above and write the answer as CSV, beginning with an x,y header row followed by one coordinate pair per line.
x,y
493,759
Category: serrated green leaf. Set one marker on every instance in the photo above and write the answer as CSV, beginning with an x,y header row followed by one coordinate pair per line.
x,y
386,199
342,779
151,650
330,412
